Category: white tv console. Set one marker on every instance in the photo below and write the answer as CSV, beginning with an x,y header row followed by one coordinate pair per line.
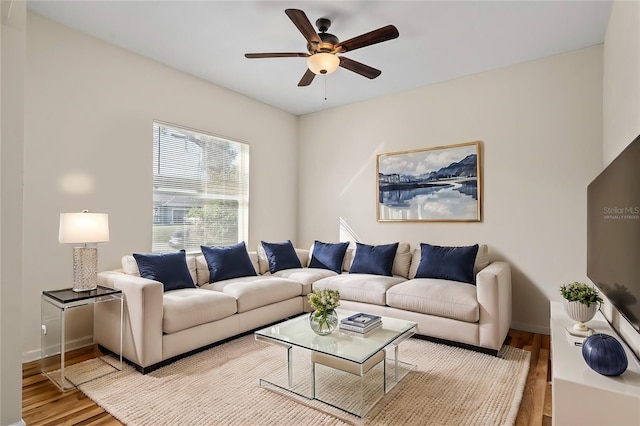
x,y
580,395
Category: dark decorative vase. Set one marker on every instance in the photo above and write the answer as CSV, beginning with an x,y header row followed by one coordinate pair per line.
x,y
604,354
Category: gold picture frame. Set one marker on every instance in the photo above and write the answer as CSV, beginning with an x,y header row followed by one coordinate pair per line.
x,y
440,184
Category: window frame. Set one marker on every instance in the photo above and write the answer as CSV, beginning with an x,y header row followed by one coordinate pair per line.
x,y
207,200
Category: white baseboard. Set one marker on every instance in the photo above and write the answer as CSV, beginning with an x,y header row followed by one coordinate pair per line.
x,y
78,343
531,328
19,423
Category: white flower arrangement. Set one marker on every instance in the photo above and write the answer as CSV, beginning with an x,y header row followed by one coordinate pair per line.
x,y
324,302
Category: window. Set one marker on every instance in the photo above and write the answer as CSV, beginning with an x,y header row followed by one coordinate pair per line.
x,y
200,189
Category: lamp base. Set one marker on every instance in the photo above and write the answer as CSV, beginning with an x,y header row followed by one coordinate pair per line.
x,y
85,268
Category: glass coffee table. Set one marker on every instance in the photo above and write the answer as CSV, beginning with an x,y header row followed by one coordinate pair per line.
x,y
345,370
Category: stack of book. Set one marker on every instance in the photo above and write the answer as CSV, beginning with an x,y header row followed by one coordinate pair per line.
x,y
361,323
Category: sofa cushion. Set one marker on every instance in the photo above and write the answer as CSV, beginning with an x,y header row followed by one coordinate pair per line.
x,y
263,261
281,256
328,256
348,259
188,308
402,261
443,298
481,262
305,276
363,288
482,259
202,267
376,260
168,268
130,266
254,292
228,262
448,263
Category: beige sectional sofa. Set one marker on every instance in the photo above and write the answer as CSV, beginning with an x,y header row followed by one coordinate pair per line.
x,y
475,315
160,327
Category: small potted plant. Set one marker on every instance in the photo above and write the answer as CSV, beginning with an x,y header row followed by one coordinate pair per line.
x,y
581,302
324,319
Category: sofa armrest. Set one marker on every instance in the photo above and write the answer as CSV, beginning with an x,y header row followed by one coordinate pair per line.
x,y
494,297
142,316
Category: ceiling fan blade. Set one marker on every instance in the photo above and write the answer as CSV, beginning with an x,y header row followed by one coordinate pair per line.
x,y
376,36
359,68
301,21
276,55
307,78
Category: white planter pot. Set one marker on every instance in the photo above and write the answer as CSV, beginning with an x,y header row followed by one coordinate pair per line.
x,y
581,313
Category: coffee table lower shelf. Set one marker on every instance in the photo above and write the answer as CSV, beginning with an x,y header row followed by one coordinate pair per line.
x,y
322,381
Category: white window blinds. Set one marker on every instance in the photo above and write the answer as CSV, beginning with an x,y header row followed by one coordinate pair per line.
x,y
200,189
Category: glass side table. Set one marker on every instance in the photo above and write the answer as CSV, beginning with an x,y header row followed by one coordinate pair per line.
x,y
54,305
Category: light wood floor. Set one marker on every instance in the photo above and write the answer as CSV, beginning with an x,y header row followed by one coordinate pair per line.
x,y
44,404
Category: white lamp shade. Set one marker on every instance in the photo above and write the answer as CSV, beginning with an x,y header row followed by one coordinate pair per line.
x,y
323,63
83,228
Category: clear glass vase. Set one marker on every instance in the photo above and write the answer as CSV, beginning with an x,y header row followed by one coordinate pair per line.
x,y
323,322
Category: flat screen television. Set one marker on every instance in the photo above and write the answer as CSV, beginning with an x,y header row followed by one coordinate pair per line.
x,y
613,232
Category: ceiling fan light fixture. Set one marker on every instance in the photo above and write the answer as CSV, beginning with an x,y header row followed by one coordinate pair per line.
x,y
323,63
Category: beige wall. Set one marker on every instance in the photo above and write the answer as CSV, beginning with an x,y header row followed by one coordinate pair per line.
x,y
540,125
12,62
621,107
621,86
88,118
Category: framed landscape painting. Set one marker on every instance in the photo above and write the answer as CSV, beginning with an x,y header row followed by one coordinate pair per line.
x,y
433,184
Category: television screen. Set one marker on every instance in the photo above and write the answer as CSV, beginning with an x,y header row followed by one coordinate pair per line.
x,y
613,232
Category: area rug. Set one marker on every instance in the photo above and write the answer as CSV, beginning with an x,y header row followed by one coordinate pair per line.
x,y
220,386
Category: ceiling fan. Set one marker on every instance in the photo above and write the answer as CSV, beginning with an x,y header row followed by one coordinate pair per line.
x,y
324,47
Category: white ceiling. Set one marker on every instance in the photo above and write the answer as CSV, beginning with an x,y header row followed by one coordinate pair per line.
x,y
439,40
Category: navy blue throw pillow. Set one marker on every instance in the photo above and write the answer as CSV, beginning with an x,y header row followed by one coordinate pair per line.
x,y
281,256
228,262
328,256
377,260
447,263
169,268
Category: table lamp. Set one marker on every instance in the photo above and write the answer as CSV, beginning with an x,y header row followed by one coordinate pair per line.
x,y
85,230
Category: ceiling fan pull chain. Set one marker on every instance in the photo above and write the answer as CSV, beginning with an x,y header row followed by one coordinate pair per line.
x,y
325,90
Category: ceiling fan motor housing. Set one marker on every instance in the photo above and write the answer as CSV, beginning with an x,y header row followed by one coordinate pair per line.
x,y
327,40
323,24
